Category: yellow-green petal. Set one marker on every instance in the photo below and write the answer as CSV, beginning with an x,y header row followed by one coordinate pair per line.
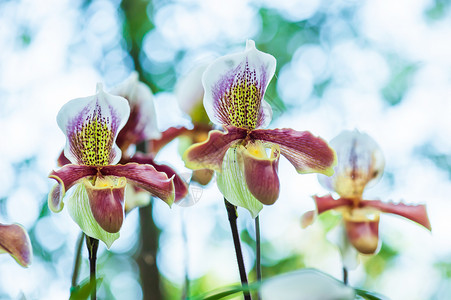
x,y
80,210
232,184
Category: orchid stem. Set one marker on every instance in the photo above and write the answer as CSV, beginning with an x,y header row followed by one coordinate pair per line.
x,y
185,292
77,260
93,245
233,216
258,251
345,275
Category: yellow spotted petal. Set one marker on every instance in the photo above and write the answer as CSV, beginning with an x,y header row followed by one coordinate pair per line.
x,y
91,126
234,88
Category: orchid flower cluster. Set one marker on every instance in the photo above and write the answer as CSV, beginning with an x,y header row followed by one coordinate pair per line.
x,y
102,176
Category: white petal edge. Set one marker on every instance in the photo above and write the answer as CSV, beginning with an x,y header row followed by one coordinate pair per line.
x,y
108,103
189,90
224,64
138,93
366,150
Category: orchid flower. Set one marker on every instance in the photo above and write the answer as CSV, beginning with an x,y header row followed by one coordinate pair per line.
x,y
360,165
142,123
142,127
190,93
247,175
15,241
97,183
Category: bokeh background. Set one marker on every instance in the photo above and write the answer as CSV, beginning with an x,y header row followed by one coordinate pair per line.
x,y
383,67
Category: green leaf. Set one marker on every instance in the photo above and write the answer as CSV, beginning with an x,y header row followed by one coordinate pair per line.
x,y
226,291
84,289
368,295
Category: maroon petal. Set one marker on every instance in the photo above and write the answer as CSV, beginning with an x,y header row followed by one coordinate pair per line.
x,y
106,199
15,241
145,177
416,213
210,154
181,187
67,176
308,218
363,235
261,175
307,153
326,203
63,160
166,137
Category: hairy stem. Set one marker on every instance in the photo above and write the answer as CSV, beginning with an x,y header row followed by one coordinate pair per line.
x,y
93,246
77,260
232,216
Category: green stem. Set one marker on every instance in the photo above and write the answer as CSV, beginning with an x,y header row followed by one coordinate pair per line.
x,y
258,252
93,246
233,216
77,259
185,292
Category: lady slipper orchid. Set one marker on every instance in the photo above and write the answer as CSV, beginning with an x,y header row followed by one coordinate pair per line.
x,y
247,174
97,183
190,94
360,165
142,123
15,241
142,127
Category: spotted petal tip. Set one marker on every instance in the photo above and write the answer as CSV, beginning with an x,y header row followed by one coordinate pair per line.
x,y
15,241
91,125
235,85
